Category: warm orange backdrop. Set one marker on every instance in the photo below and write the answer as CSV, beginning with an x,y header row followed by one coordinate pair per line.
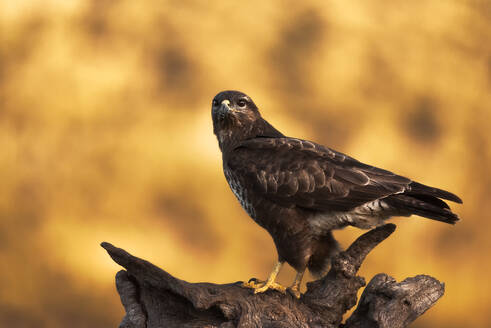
x,y
106,135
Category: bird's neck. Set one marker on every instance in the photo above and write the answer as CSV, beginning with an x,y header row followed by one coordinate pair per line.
x,y
230,138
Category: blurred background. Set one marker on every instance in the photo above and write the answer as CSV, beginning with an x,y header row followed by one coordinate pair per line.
x,y
106,135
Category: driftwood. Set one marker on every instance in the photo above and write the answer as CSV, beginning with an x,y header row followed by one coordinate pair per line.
x,y
154,298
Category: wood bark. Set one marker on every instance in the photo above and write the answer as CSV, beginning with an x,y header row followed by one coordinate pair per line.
x,y
153,298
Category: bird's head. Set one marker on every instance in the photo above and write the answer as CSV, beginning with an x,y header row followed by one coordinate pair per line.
x,y
237,118
233,109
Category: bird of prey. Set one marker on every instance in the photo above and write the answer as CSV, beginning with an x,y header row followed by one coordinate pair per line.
x,y
299,191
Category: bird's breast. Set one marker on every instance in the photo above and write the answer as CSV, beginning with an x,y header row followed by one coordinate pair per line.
x,y
240,191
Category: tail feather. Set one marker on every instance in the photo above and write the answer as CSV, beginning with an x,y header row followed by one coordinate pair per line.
x,y
423,205
429,199
417,188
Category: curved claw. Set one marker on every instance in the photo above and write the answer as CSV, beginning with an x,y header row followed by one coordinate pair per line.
x,y
262,286
252,283
272,285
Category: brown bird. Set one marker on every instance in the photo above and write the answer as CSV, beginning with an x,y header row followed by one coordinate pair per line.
x,y
299,191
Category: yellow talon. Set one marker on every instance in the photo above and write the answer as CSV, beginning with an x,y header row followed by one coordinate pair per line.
x,y
250,284
295,288
261,287
267,286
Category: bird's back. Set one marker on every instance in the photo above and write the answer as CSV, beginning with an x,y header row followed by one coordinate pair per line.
x,y
298,173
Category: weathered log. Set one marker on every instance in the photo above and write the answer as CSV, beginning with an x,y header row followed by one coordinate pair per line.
x,y
153,298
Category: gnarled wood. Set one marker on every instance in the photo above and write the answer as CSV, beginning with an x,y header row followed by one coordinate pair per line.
x,y
153,298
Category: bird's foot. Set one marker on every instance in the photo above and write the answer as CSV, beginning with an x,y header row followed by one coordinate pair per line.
x,y
262,286
294,291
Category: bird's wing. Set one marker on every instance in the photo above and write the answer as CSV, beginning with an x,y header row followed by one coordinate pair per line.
x,y
294,172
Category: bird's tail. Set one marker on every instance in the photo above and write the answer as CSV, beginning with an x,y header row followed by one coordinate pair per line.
x,y
425,204
421,189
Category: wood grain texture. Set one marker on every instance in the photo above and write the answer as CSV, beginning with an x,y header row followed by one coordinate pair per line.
x,y
153,298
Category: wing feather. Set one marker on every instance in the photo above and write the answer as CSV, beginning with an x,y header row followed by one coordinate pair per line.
x,y
295,172
303,181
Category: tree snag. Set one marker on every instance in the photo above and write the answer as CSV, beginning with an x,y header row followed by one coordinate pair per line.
x,y
153,298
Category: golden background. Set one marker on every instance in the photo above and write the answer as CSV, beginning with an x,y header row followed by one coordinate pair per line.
x,y
106,135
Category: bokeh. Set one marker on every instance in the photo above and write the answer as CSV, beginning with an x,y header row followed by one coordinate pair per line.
x,y
106,135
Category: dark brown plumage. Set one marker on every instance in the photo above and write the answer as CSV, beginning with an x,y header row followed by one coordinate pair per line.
x,y
299,191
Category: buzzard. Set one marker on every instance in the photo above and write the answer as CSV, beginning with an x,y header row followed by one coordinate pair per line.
x,y
299,191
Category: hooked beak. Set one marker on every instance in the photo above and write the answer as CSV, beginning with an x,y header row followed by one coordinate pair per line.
x,y
223,110
225,106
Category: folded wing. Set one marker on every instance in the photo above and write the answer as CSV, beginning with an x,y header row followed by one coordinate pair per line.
x,y
294,172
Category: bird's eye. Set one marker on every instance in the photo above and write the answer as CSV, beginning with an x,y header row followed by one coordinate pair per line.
x,y
215,103
241,103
